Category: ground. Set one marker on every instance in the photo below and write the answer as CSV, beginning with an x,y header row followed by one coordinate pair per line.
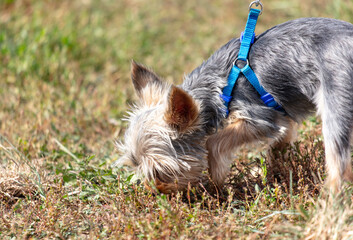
x,y
65,87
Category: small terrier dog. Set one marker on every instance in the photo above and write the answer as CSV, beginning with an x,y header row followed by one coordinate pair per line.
x,y
177,133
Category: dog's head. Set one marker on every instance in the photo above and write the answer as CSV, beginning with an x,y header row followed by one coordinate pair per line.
x,y
165,141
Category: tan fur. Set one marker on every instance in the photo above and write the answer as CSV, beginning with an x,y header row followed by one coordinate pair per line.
x,y
221,145
335,177
153,94
162,187
333,165
182,110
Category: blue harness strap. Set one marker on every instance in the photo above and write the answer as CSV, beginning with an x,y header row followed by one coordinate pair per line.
x,y
265,96
227,91
247,38
248,34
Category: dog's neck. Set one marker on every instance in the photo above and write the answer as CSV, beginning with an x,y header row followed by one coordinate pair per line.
x,y
206,82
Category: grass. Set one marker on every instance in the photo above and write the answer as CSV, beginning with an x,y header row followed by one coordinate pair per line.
x,y
64,88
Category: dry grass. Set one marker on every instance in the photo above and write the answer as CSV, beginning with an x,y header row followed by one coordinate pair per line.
x,y
64,88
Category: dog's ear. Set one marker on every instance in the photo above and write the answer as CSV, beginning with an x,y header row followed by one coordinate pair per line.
x,y
182,110
141,76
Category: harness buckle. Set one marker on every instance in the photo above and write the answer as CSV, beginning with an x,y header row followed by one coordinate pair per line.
x,y
241,65
257,3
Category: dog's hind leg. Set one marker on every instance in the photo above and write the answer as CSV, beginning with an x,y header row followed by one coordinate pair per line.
x,y
337,153
335,106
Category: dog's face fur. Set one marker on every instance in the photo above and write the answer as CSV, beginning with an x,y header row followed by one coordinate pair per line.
x,y
165,141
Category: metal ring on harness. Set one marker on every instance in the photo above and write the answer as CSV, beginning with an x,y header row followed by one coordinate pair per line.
x,y
257,3
235,63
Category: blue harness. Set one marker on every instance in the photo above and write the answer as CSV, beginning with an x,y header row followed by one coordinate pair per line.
x,y
246,39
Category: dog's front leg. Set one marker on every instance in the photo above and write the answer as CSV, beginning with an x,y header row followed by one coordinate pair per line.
x,y
285,139
221,145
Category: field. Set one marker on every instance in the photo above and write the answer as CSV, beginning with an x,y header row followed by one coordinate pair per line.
x,y
64,89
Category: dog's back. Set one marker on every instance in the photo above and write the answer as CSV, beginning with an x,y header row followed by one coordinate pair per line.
x,y
298,59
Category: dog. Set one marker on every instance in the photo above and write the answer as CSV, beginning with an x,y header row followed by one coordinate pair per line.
x,y
178,133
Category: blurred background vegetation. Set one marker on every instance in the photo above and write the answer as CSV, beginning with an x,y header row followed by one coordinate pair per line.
x,y
65,86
